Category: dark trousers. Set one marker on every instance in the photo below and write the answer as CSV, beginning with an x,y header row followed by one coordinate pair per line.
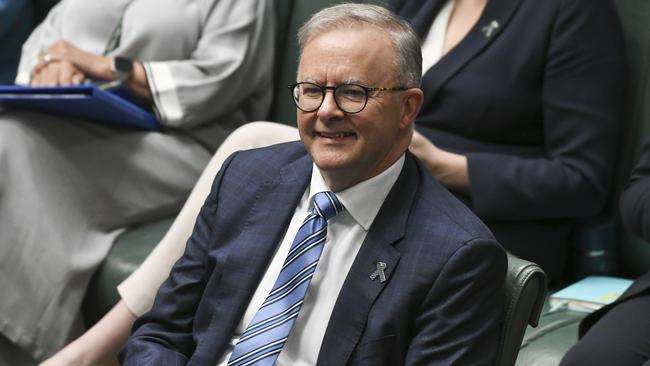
x,y
620,337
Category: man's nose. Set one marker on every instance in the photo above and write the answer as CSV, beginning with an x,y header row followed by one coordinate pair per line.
x,y
329,109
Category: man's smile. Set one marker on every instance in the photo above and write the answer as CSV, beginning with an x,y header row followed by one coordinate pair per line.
x,y
335,135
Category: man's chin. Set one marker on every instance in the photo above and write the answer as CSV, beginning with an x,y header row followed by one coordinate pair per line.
x,y
330,155
331,165
332,162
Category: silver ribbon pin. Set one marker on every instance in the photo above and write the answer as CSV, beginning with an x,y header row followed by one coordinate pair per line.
x,y
381,266
488,29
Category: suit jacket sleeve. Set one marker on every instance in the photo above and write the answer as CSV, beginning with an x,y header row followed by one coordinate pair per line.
x,y
164,335
581,104
459,320
635,199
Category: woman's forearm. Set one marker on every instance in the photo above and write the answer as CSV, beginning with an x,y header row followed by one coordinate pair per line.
x,y
448,168
138,81
100,343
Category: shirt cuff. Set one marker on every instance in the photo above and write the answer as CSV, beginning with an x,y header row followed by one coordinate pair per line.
x,y
164,92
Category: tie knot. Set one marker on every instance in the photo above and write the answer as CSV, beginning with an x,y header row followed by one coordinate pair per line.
x,y
327,205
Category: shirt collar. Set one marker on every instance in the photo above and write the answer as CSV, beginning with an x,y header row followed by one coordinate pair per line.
x,y
363,200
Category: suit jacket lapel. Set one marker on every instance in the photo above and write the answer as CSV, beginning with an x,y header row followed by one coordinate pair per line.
x,y
247,262
494,19
359,292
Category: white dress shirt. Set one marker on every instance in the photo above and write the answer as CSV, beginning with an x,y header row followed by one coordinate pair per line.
x,y
345,234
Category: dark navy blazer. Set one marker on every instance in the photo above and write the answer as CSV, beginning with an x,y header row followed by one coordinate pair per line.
x,y
441,304
535,106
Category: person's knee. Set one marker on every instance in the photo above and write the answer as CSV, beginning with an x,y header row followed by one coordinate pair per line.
x,y
580,354
259,134
12,137
598,352
603,348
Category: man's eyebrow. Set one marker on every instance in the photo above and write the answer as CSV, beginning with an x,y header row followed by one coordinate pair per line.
x,y
310,80
354,81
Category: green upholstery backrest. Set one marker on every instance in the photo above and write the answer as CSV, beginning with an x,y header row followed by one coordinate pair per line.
x,y
634,15
130,249
283,109
284,10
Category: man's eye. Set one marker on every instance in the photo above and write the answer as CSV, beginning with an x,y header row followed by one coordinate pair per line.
x,y
311,91
353,93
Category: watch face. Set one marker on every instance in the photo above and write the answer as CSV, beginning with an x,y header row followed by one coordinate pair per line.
x,y
123,68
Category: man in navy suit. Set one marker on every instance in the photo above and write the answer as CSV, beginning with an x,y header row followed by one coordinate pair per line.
x,y
407,274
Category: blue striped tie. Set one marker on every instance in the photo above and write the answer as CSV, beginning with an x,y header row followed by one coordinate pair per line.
x,y
263,339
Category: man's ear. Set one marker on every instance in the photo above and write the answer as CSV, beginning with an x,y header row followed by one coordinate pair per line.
x,y
412,100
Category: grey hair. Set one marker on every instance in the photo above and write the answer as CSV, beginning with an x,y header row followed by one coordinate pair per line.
x,y
406,44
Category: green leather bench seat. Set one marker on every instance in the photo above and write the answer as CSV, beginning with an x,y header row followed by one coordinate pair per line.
x,y
129,250
551,339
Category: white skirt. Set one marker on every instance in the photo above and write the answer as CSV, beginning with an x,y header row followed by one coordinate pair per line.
x,y
67,189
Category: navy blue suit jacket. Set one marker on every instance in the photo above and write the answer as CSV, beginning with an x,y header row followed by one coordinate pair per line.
x,y
441,303
536,109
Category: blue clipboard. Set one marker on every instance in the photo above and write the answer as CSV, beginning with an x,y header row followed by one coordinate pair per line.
x,y
84,101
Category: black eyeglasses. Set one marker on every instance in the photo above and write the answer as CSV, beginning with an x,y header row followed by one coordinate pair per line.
x,y
350,98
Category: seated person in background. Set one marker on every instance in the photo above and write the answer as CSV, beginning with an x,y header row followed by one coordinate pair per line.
x,y
539,112
619,333
15,25
388,267
69,186
521,113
